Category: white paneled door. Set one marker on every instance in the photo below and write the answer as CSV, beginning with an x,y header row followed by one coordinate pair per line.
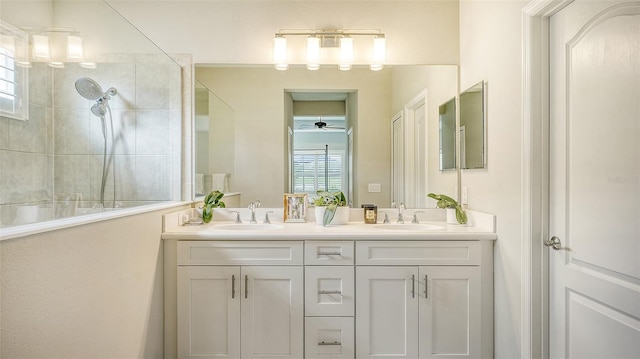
x,y
594,184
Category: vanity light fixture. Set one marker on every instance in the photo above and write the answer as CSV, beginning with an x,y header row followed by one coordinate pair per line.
x,y
75,50
41,51
43,40
341,40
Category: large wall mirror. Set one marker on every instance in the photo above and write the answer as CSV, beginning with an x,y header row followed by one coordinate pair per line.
x,y
472,127
447,122
275,111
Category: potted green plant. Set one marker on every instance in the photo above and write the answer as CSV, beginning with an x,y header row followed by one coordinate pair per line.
x,y
211,201
451,205
327,204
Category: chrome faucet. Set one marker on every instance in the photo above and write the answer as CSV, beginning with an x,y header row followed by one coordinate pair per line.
x,y
252,207
238,220
266,217
401,208
415,217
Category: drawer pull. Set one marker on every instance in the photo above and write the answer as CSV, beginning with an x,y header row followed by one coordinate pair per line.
x,y
330,343
330,253
413,286
330,292
426,286
233,286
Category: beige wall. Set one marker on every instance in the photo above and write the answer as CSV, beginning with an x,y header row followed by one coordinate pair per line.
x,y
91,291
241,32
490,50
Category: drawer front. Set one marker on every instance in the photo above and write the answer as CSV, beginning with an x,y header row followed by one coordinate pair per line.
x,y
328,253
329,291
418,253
240,253
329,337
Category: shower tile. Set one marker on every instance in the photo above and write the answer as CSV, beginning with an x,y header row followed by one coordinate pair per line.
x,y
175,130
124,123
175,86
72,132
40,80
72,175
31,135
152,75
24,177
65,95
153,178
125,174
121,76
152,132
4,132
152,98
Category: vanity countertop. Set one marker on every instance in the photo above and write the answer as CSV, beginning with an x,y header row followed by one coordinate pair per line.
x,y
432,227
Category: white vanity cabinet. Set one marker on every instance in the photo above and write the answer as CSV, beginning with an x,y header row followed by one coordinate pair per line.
x,y
424,299
253,309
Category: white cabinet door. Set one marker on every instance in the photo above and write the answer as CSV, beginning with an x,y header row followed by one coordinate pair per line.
x,y
386,312
209,312
272,312
450,303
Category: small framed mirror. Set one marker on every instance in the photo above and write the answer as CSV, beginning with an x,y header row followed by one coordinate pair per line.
x,y
447,134
472,127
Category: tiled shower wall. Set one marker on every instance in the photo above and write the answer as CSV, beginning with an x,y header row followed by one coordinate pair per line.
x,y
54,160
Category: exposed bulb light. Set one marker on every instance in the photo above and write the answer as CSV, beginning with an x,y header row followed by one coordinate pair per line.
x,y
280,53
41,47
313,53
75,50
379,53
346,53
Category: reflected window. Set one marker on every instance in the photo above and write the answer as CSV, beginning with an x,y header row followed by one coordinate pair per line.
x,y
309,171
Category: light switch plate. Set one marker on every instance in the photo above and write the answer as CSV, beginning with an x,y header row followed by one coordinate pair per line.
x,y
374,187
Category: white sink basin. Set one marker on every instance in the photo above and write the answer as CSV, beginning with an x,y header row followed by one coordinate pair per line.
x,y
246,227
409,227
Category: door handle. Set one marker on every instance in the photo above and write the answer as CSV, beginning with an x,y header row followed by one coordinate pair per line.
x,y
233,286
246,285
554,243
426,286
413,286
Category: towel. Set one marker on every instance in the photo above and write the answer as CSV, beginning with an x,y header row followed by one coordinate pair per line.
x,y
220,182
199,184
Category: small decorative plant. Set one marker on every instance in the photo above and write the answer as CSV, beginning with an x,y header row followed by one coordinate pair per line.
x,y
448,202
211,201
331,200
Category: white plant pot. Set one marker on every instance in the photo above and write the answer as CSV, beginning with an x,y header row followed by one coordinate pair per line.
x,y
341,216
451,216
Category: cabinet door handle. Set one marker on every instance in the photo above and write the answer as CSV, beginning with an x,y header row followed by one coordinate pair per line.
x,y
413,286
426,286
246,285
330,254
330,292
329,343
233,286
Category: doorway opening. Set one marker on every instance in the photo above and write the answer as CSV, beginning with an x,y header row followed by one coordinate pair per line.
x,y
321,143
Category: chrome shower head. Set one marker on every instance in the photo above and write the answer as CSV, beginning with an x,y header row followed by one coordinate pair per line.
x,y
89,88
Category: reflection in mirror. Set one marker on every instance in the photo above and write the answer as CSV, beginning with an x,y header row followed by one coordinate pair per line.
x,y
265,117
472,127
448,135
214,142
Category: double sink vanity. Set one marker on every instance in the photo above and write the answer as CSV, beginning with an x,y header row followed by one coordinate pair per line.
x,y
301,290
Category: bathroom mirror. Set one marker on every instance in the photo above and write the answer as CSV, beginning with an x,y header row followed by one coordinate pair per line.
x,y
447,127
214,141
263,102
472,127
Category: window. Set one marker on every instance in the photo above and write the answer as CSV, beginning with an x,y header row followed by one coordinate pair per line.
x,y
309,171
13,79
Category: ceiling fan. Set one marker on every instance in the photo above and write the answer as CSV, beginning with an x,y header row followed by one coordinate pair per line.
x,y
321,125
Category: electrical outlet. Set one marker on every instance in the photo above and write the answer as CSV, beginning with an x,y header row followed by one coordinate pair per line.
x,y
465,196
374,187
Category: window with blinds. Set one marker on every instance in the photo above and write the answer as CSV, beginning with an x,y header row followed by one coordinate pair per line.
x,y
13,79
309,171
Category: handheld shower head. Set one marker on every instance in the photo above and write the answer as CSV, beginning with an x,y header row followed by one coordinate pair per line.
x,y
89,88
99,109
